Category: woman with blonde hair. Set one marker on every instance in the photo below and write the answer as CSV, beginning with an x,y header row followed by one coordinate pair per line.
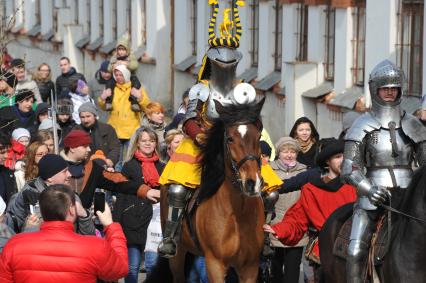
x,y
43,79
132,212
46,137
27,168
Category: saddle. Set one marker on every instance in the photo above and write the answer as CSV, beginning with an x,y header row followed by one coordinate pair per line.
x,y
378,246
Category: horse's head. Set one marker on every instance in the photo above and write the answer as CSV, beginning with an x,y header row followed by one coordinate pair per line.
x,y
242,130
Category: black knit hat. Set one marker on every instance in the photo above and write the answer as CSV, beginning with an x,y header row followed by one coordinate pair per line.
x,y
17,63
50,165
23,94
42,108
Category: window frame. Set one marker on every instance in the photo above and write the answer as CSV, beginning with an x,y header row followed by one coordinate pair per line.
x,y
408,46
358,43
278,32
329,42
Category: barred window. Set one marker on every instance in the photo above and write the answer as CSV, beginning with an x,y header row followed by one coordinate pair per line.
x,y
358,44
330,26
409,47
193,23
254,30
114,19
143,19
101,18
302,33
129,17
278,35
37,12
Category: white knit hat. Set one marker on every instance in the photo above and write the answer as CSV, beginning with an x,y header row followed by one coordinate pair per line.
x,y
126,73
19,133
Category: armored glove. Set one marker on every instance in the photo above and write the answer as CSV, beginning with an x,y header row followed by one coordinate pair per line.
x,y
379,195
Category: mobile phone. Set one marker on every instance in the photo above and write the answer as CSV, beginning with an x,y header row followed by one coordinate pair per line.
x,y
99,202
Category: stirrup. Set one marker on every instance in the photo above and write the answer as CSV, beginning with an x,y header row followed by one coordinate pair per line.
x,y
167,252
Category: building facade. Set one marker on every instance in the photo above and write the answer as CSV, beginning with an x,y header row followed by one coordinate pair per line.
x,y
308,57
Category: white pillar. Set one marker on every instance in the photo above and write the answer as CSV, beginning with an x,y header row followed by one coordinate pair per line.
x,y
289,32
381,35
343,50
266,38
203,19
95,31
122,18
46,15
138,13
316,33
107,20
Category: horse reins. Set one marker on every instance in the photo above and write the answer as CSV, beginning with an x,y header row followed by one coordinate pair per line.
x,y
394,210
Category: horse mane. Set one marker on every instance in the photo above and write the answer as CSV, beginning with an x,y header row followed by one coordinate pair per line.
x,y
213,161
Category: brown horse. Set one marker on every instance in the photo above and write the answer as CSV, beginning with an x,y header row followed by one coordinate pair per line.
x,y
229,218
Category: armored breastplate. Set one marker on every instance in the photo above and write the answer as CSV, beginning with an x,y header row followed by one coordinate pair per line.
x,y
382,161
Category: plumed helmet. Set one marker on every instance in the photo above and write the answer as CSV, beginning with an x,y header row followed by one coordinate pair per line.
x,y
386,74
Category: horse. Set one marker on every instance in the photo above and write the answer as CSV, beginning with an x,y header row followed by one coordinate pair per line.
x,y
229,216
406,255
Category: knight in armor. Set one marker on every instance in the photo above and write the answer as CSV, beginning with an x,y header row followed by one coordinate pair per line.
x,y
381,149
217,82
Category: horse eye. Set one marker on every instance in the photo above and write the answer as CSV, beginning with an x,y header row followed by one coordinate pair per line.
x,y
230,139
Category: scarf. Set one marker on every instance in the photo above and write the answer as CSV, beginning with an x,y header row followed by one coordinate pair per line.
x,y
305,146
287,166
149,171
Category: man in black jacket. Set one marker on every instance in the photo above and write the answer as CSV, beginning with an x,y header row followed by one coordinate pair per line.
x,y
7,179
103,135
68,75
20,115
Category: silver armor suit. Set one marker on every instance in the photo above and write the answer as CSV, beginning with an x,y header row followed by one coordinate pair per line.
x,y
381,148
221,65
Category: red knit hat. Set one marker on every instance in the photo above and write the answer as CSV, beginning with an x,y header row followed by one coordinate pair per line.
x,y
77,138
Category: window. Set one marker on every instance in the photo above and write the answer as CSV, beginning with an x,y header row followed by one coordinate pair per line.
x,y
278,35
330,24
193,23
409,46
358,44
254,30
129,17
302,33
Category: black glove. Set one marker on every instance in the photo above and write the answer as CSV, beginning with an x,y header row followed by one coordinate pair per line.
x,y
379,195
30,196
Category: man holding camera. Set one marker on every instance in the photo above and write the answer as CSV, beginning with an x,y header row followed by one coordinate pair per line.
x,y
58,254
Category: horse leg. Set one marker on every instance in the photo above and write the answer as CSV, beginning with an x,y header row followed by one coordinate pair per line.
x,y
177,266
248,273
216,269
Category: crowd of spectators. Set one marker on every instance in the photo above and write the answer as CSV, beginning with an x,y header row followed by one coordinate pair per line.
x,y
111,136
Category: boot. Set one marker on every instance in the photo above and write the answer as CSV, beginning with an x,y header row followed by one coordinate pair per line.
x,y
168,246
177,198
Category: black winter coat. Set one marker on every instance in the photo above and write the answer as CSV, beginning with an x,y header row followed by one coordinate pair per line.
x,y
7,183
104,138
132,212
45,89
63,82
10,120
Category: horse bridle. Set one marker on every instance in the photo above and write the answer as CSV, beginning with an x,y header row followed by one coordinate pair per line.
x,y
235,166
